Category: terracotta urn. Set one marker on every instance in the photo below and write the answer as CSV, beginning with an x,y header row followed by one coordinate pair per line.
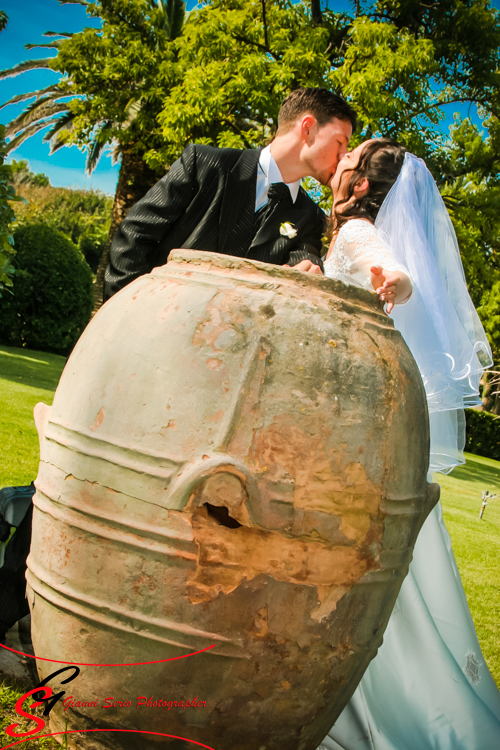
x,y
235,463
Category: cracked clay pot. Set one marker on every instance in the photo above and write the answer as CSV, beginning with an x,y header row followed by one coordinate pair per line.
x,y
235,460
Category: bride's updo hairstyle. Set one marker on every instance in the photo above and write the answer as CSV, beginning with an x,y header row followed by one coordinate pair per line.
x,y
380,162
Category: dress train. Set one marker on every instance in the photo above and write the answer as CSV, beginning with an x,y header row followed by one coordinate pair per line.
x,y
429,687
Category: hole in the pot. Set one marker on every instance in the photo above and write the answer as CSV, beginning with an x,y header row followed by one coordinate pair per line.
x,y
221,515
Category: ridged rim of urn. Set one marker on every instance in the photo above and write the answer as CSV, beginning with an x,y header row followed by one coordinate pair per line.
x,y
260,274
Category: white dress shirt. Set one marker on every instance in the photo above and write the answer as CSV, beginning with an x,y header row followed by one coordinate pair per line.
x,y
267,174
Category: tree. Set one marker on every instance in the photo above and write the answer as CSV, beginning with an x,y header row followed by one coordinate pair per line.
x,y
398,63
111,91
7,196
22,175
237,61
470,185
7,216
489,312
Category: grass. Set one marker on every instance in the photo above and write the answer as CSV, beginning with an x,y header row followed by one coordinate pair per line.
x,y
27,377
9,694
476,544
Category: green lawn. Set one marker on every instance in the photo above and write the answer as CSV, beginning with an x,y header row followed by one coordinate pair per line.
x,y
27,377
9,694
476,544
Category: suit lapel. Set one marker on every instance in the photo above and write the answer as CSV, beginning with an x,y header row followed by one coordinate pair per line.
x,y
237,214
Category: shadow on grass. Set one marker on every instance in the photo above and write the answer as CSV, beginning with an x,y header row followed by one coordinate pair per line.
x,y
477,471
27,367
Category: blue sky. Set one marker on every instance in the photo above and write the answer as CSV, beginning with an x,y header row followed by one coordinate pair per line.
x,y
28,20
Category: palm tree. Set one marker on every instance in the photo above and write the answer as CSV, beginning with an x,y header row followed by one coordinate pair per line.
x,y
58,108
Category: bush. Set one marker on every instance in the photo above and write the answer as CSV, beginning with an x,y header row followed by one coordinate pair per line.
x,y
52,292
84,216
483,434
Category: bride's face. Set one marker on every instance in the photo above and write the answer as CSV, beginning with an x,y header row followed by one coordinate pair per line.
x,y
340,180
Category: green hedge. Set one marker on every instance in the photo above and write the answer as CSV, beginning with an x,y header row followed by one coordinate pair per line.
x,y
483,434
52,292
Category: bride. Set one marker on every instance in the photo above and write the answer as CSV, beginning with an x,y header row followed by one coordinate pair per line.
x,y
429,687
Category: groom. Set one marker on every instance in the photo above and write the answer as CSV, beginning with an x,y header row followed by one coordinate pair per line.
x,y
237,202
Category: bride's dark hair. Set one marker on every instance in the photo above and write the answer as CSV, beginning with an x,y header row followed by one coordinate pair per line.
x,y
380,162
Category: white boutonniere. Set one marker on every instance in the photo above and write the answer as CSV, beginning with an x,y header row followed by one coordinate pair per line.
x,y
288,230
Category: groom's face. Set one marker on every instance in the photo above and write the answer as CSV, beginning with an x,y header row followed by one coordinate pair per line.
x,y
326,147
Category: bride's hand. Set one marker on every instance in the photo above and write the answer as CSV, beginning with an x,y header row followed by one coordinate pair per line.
x,y
386,284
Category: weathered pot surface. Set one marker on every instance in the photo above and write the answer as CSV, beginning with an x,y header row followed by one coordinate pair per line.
x,y
236,457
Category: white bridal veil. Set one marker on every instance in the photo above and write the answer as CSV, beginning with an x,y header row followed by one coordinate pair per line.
x,y
439,322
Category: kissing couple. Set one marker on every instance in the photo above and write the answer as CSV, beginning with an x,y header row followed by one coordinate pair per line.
x,y
429,687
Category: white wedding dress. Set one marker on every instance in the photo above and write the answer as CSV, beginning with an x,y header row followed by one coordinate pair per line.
x,y
429,687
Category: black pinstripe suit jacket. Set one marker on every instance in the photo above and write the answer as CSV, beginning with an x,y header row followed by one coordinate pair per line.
x,y
207,202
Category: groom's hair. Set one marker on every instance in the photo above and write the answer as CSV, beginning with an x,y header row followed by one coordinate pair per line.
x,y
320,103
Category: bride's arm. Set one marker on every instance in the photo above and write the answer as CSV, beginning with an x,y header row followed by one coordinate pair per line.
x,y
371,264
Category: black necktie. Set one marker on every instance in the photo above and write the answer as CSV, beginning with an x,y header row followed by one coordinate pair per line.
x,y
277,192
278,196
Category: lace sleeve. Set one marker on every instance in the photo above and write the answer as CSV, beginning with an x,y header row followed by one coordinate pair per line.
x,y
358,247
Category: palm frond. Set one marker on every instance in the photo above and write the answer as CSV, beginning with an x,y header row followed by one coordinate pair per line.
x,y
48,45
116,151
27,133
36,112
173,15
39,93
131,111
176,10
27,65
65,122
94,154
73,2
67,34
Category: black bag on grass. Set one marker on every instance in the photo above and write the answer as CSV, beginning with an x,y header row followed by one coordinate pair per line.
x,y
16,509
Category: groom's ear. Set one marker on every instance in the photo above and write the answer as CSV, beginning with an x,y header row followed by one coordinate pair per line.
x,y
361,188
308,128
